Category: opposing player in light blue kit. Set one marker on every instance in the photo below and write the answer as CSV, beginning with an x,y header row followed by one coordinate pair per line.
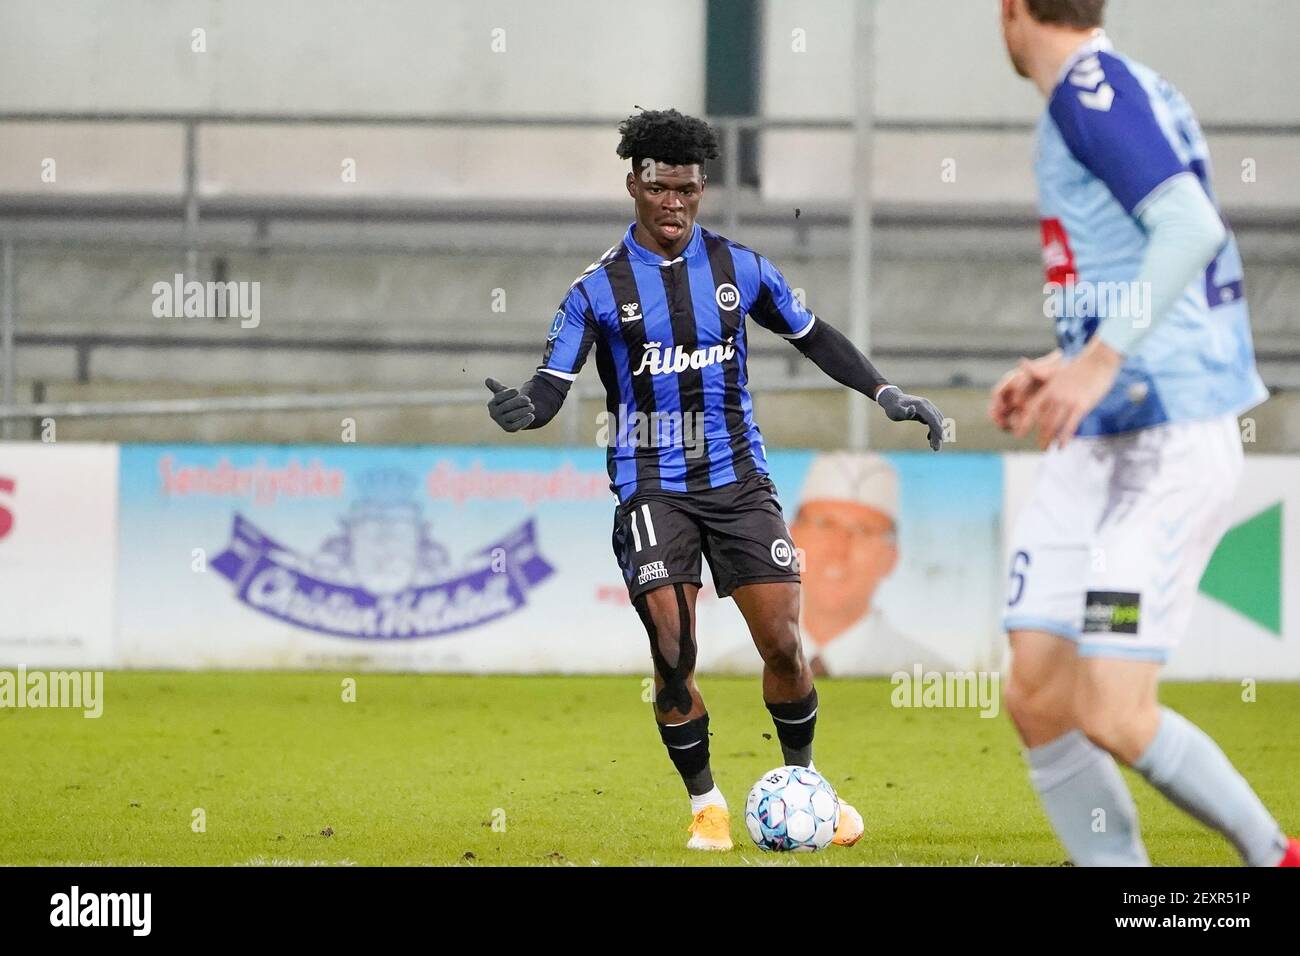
x,y
1137,410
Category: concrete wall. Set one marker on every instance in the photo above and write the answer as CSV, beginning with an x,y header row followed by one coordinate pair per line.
x,y
938,60
945,60
949,306
563,57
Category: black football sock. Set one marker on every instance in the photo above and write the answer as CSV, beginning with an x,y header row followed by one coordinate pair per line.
x,y
688,749
795,724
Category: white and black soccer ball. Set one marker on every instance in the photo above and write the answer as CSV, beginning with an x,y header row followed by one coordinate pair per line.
x,y
792,808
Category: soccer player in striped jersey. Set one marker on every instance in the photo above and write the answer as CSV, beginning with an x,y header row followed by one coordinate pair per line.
x,y
1153,366
665,308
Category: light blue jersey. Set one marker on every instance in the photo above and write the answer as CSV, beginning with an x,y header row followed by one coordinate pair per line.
x,y
1113,135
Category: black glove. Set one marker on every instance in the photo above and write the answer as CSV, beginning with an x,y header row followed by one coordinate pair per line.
x,y
508,407
901,407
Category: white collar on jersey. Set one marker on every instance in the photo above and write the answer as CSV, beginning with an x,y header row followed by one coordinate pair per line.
x,y
1097,42
651,258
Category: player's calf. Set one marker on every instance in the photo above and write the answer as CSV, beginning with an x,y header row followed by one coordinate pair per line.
x,y
679,711
1039,695
772,612
1079,783
687,744
1115,704
1184,764
666,614
1122,731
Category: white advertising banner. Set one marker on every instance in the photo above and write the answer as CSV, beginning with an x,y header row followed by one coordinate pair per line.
x,y
253,557
500,560
58,548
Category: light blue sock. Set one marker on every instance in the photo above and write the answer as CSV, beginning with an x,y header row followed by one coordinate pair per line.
x,y
1184,764
1087,801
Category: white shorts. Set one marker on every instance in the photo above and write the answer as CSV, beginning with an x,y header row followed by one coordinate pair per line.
x,y
1111,548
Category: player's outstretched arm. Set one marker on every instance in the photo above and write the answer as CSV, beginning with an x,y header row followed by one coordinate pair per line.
x,y
839,358
531,405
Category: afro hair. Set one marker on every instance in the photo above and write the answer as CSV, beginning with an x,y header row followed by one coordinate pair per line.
x,y
667,136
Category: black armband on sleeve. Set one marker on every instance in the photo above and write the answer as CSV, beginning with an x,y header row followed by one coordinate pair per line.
x,y
547,393
832,352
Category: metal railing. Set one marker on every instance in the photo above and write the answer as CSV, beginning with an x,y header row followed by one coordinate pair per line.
x,y
570,418
190,204
191,207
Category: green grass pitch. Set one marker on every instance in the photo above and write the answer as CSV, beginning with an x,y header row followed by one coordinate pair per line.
x,y
569,769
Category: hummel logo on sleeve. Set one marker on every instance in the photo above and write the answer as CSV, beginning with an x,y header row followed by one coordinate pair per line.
x,y
1089,75
1101,100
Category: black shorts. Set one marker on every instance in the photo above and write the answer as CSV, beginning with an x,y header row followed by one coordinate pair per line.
x,y
659,537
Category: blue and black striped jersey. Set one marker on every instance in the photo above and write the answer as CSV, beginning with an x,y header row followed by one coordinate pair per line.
x,y
670,351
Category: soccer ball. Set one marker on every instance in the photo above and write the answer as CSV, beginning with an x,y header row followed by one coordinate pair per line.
x,y
792,808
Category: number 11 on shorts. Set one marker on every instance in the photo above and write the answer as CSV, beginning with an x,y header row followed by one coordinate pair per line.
x,y
649,529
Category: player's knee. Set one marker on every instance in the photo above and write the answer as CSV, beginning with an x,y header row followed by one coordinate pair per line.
x,y
784,658
781,650
1035,706
1018,698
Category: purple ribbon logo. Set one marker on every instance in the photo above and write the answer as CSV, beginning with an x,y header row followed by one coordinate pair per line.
x,y
366,589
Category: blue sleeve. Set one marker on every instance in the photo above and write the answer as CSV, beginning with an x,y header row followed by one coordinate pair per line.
x,y
573,329
775,307
1105,117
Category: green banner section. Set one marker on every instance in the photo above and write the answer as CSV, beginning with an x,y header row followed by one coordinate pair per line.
x,y
1245,572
